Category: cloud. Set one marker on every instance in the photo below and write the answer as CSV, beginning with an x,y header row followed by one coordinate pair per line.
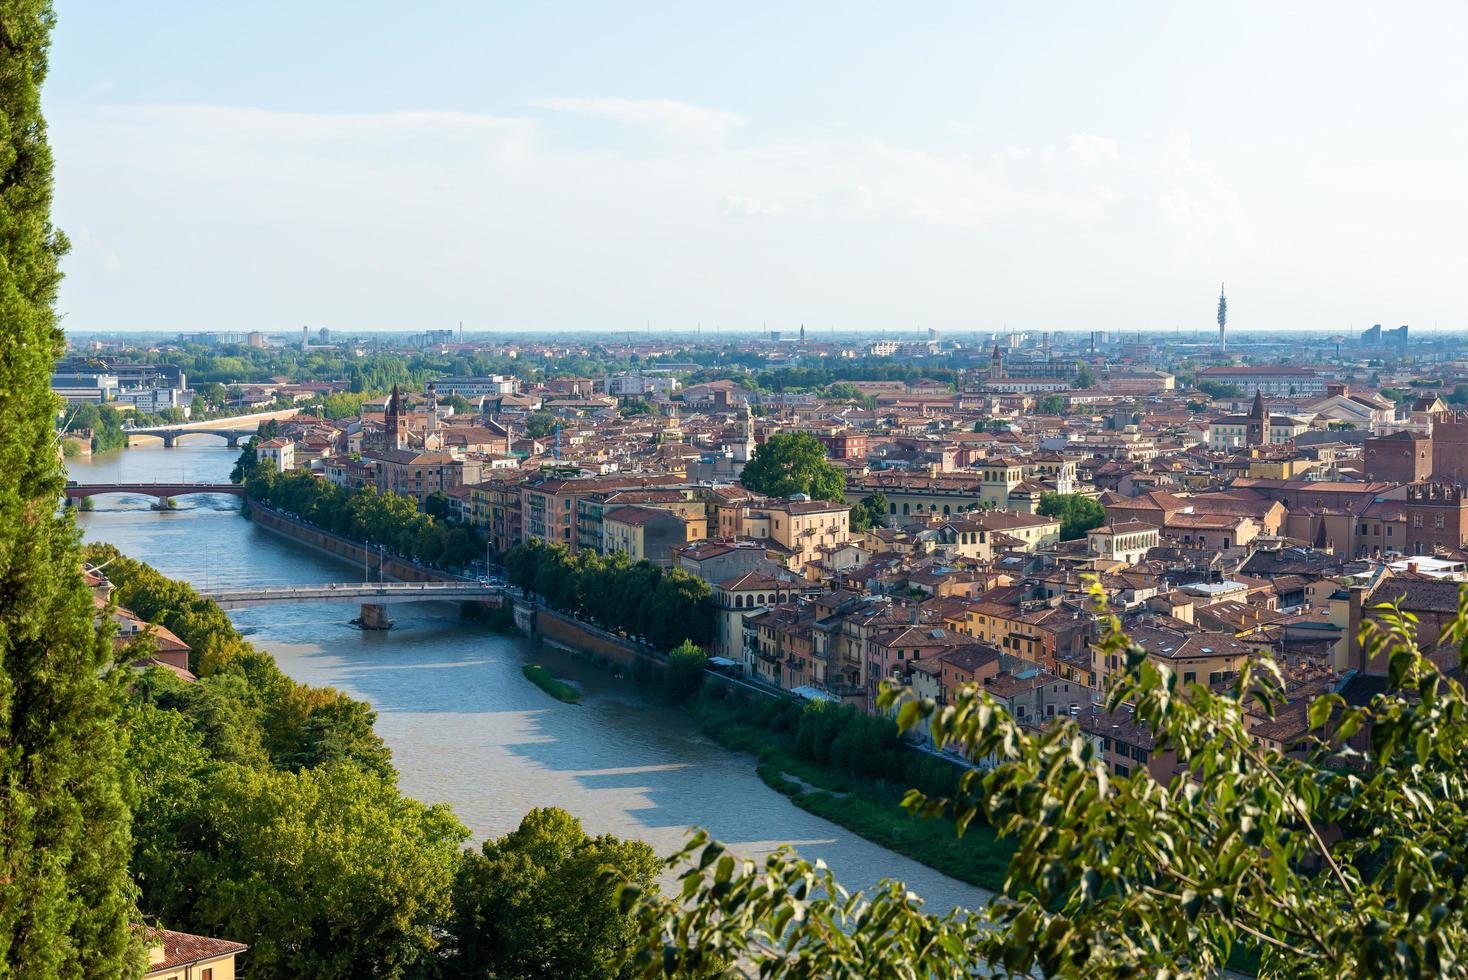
x,y
1092,149
680,120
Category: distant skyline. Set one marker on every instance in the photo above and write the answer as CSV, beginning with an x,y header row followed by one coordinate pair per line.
x,y
585,167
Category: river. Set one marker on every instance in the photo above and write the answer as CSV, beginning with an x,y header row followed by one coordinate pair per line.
x,y
464,725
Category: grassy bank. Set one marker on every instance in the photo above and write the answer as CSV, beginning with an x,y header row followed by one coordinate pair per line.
x,y
870,808
542,678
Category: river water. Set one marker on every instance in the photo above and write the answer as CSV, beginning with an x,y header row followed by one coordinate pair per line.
x,y
464,725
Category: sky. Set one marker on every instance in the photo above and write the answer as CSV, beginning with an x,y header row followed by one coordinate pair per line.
x,y
848,166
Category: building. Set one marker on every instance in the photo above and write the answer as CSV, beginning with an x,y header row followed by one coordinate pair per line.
x,y
631,384
279,454
1277,381
1437,518
1402,457
85,387
419,475
649,533
799,526
475,388
1127,542
181,956
154,400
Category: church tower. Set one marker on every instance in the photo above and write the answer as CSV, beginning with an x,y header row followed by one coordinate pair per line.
x,y
1257,431
996,365
394,422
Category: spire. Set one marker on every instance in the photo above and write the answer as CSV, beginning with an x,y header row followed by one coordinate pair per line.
x,y
1222,318
1257,411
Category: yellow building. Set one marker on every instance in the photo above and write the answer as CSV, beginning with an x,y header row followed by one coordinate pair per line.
x,y
799,526
649,533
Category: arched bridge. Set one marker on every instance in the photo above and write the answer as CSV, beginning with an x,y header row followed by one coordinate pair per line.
x,y
366,593
231,429
170,434
76,491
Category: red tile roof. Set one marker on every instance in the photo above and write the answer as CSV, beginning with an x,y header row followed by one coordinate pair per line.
x,y
181,948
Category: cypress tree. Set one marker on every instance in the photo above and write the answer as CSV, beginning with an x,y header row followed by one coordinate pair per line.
x,y
65,897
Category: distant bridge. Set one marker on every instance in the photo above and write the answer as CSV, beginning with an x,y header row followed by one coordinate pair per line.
x,y
163,491
366,593
232,430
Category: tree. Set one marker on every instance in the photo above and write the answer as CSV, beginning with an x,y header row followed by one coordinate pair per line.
x,y
539,902
1077,512
683,675
332,872
1052,405
539,424
1340,855
1084,378
65,897
870,511
635,406
793,462
1217,389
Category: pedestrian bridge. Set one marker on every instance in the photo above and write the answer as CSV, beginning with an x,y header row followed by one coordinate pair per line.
x,y
366,593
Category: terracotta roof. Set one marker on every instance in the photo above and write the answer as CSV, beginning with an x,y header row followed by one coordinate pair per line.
x,y
181,949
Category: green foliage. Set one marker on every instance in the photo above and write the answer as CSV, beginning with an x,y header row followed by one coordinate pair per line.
x,y
1051,405
793,462
1077,512
65,897
548,682
542,901
1084,378
1458,396
683,675
638,599
104,421
635,406
539,425
870,511
1217,389
1396,394
387,520
331,872
1342,855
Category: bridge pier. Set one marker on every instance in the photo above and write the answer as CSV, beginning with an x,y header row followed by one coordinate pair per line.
x,y
233,440
168,440
374,617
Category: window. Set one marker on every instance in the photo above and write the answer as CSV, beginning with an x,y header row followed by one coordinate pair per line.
x,y
1437,521
1122,770
1190,677
208,973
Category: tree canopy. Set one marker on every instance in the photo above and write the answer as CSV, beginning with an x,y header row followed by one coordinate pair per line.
x,y
529,904
793,462
1078,513
1343,853
65,897
870,511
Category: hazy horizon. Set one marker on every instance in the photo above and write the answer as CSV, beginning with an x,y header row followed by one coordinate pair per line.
x,y
558,168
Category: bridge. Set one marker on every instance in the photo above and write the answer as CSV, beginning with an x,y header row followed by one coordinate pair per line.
x,y
232,429
372,596
163,491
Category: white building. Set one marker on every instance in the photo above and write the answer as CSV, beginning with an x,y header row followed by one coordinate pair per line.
x,y
1127,542
471,388
277,453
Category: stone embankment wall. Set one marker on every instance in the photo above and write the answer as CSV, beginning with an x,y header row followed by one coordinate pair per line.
x,y
566,631
396,569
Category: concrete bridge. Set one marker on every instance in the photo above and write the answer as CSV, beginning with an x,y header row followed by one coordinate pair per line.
x,y
373,596
163,491
231,430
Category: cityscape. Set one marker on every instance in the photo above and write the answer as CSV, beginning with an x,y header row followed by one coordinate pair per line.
x,y
517,493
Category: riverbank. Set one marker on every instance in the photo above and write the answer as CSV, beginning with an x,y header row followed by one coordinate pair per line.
x,y
870,808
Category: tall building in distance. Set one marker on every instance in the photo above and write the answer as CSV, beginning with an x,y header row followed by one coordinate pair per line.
x,y
1222,319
